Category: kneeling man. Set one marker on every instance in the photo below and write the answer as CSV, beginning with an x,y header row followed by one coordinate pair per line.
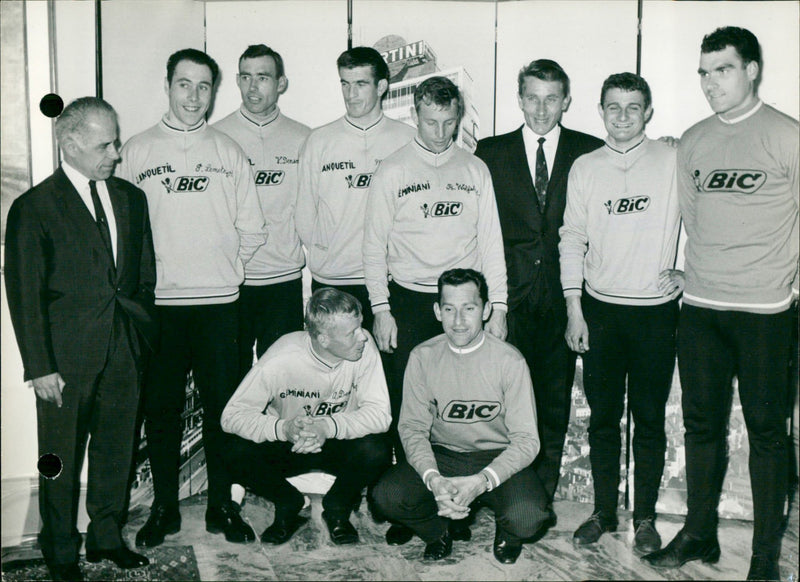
x,y
468,427
317,399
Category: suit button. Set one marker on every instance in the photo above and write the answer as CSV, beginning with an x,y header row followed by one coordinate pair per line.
x,y
537,262
119,289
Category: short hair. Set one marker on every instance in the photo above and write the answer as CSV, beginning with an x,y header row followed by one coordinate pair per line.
x,y
195,56
74,120
440,91
544,70
742,40
456,277
261,50
325,304
627,82
364,56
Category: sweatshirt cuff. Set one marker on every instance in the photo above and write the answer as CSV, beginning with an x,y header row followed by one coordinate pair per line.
x,y
280,429
494,479
331,427
382,306
429,473
573,292
500,306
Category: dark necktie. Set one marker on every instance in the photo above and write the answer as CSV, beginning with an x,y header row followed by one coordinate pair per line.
x,y
100,217
541,175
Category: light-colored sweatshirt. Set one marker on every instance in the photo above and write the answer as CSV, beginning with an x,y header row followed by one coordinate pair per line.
x,y
739,197
468,400
291,379
428,213
336,168
204,211
273,150
621,223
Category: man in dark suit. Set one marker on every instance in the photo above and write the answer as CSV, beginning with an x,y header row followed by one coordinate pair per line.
x,y
80,275
529,170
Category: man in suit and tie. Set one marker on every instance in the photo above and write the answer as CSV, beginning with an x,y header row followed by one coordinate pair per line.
x,y
529,168
80,275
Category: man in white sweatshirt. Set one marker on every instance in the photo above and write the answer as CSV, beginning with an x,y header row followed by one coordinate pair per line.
x,y
316,399
336,167
271,298
207,224
617,250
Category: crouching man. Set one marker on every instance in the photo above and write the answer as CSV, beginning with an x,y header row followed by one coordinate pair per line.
x,y
317,399
468,427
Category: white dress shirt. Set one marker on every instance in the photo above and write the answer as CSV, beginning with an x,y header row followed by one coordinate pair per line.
x,y
81,184
550,145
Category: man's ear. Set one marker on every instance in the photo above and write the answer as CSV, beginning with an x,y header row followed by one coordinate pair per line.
x,y
437,311
383,86
166,86
283,84
487,311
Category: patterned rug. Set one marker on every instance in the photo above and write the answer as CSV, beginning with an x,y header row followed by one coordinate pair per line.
x,y
166,563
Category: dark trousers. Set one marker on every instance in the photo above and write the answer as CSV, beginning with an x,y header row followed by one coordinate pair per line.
x,y
264,467
359,292
519,504
201,338
416,322
266,312
101,404
539,334
637,343
713,346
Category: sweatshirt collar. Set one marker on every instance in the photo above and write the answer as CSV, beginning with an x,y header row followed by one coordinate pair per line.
x,y
433,158
363,129
317,357
165,123
259,123
743,116
627,150
470,349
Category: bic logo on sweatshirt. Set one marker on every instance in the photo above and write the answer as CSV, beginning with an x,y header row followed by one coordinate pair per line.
x,y
269,177
469,411
358,180
183,184
744,181
627,205
441,209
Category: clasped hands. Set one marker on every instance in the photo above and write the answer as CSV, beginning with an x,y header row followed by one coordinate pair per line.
x,y
455,494
307,434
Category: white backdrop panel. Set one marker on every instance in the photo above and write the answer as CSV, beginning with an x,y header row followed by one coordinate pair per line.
x,y
671,37
138,37
589,39
309,35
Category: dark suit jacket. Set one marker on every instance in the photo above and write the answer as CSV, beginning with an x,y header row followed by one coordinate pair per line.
x,y
63,288
530,235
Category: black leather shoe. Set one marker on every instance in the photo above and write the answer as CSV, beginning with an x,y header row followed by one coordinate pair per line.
x,y
282,529
591,529
763,568
398,534
341,530
70,572
646,539
439,549
227,519
162,522
684,548
506,551
122,557
459,530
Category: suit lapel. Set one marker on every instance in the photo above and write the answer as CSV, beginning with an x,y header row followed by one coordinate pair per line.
x,y
75,211
561,164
